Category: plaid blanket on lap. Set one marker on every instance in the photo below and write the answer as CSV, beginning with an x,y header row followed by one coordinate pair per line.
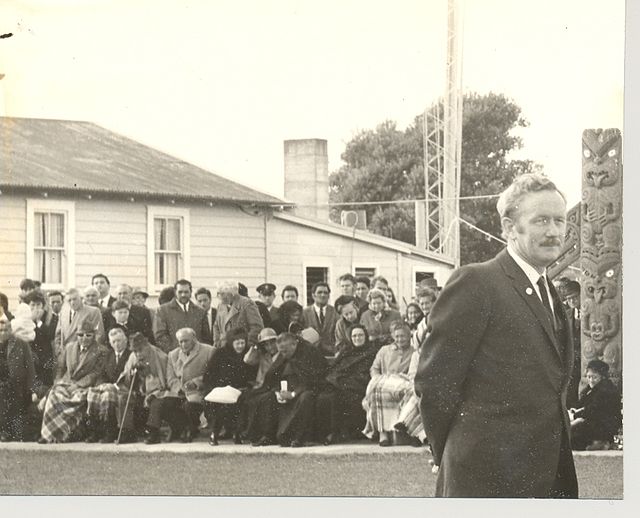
x,y
410,416
102,401
63,412
382,402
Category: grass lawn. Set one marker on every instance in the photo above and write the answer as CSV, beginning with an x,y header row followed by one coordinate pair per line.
x,y
119,473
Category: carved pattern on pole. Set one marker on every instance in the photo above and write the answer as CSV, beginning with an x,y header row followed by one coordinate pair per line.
x,y
601,249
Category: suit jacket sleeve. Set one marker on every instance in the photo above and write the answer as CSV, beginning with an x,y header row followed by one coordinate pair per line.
x,y
458,319
160,330
254,322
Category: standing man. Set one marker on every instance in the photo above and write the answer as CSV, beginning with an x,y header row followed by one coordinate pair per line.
x,y
139,319
234,311
72,316
494,370
203,298
322,317
289,292
176,314
572,301
101,282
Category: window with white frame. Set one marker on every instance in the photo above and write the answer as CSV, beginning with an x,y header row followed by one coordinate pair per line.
x,y
50,236
168,246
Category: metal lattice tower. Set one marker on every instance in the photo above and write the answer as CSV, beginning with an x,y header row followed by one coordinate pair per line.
x,y
442,149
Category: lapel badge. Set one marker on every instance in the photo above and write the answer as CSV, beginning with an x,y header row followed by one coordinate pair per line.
x,y
529,291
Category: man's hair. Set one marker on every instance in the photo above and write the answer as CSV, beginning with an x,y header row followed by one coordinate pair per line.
x,y
289,307
398,324
27,284
98,275
288,287
424,291
55,293
183,282
90,289
123,285
363,280
166,295
117,330
187,330
203,291
228,286
509,200
379,278
318,285
376,293
120,304
342,301
73,291
35,296
286,337
347,277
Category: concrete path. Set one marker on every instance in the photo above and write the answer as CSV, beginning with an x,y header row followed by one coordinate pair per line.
x,y
201,446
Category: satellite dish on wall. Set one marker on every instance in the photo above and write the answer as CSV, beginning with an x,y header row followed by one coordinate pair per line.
x,y
354,219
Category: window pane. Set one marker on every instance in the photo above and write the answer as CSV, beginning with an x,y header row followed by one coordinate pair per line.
x,y
159,269
39,228
38,265
173,234
159,233
172,268
53,267
56,230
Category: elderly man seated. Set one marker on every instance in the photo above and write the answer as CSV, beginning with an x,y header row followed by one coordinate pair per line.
x,y
102,400
81,367
186,366
146,368
293,381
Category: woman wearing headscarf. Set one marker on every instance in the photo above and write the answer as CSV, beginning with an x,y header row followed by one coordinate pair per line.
x,y
227,368
598,416
389,384
377,319
17,373
339,412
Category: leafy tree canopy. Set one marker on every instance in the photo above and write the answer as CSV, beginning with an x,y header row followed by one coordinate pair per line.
x,y
387,163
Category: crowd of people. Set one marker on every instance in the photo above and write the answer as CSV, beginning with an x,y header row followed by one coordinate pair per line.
x,y
98,365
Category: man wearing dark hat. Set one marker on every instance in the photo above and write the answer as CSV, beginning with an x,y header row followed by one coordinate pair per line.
x,y
269,313
598,416
493,372
571,295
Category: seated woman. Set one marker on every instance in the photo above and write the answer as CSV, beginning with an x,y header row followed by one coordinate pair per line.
x,y
339,412
347,308
377,319
227,368
409,420
389,384
598,416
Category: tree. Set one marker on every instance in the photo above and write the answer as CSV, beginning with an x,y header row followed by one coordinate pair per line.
x,y
388,164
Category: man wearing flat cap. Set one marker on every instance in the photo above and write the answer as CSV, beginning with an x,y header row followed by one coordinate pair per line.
x,y
269,313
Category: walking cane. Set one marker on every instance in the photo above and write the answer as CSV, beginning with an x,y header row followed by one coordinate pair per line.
x,y
126,406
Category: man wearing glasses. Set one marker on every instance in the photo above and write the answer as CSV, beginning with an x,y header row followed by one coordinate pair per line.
x,y
81,366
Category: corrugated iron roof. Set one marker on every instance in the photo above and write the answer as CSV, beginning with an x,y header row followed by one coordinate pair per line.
x,y
84,157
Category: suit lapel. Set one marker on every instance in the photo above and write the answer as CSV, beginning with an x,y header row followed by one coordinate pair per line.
x,y
86,360
229,315
528,293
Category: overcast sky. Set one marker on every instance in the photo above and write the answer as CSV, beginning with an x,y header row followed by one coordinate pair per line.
x,y
222,83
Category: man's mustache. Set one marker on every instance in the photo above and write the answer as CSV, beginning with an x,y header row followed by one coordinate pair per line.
x,y
551,242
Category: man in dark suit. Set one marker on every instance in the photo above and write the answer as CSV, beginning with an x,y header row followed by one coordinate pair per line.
x,y
494,370
102,400
139,319
178,313
572,301
203,298
101,282
322,317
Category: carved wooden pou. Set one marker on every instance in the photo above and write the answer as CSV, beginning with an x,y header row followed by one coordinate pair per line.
x,y
601,249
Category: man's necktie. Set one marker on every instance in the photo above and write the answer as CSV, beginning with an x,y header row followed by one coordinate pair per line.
x,y
542,286
71,313
321,317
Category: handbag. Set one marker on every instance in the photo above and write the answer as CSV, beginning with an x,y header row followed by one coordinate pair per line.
x,y
226,395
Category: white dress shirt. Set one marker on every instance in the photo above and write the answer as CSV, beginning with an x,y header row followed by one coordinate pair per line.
x,y
532,274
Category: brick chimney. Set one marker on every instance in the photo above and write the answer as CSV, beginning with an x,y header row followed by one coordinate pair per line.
x,y
306,177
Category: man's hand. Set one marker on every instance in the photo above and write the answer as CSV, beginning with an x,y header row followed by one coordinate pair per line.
x,y
282,396
190,385
434,467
